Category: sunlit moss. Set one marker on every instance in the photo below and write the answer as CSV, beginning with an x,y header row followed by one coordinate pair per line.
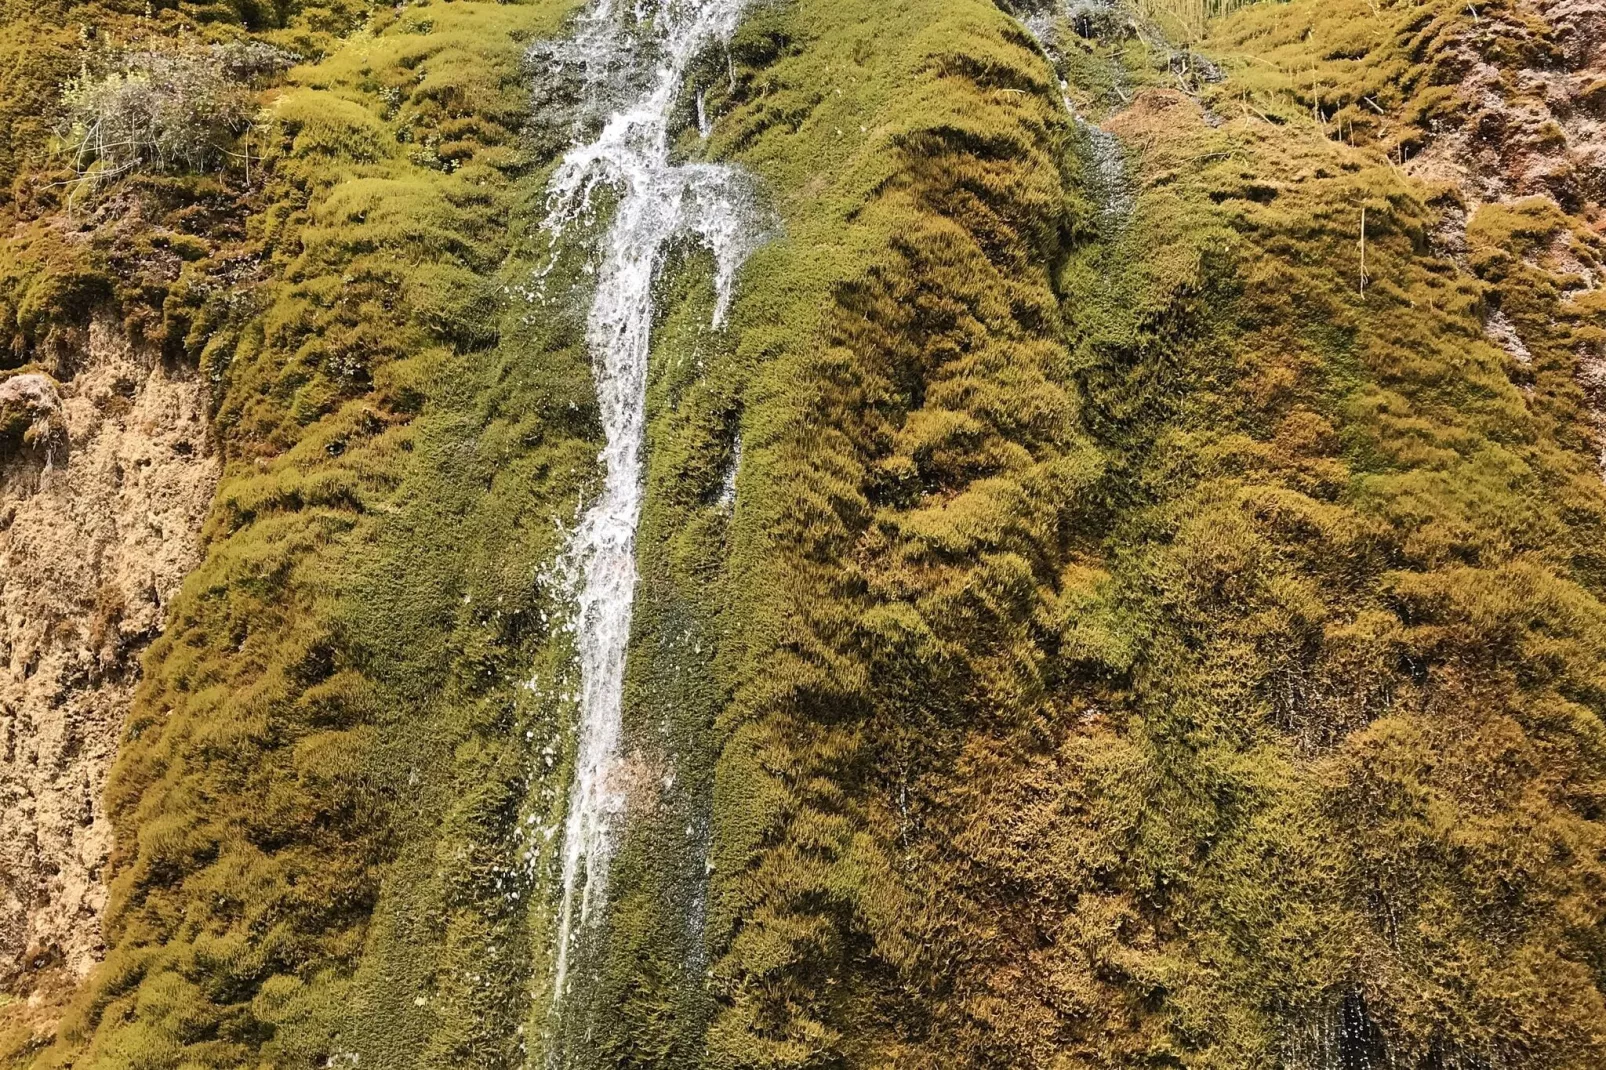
x,y
1133,634
1194,767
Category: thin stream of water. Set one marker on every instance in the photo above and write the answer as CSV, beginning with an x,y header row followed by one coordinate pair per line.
x,y
646,46
1107,164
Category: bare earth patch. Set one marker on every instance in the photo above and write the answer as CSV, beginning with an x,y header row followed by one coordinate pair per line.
x,y
101,501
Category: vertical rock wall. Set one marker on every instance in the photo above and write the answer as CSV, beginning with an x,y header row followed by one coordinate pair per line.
x,y
106,471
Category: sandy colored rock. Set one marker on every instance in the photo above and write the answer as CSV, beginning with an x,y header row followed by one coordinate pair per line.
x,y
1543,135
106,471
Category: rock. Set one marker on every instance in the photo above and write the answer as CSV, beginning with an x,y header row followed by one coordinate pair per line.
x,y
31,415
101,503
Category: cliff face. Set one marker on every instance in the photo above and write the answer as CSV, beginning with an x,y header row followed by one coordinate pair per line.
x,y
106,480
1122,584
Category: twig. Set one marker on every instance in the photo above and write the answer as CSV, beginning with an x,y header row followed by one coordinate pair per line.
x,y
1363,250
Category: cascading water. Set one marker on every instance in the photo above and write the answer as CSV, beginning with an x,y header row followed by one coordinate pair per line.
x,y
1107,165
633,60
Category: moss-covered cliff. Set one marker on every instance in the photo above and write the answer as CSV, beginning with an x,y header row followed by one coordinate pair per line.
x,y
1123,587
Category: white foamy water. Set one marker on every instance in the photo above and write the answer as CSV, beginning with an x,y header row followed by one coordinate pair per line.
x,y
633,58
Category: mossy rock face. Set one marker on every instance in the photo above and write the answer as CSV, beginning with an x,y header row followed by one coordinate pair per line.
x,y
1109,596
298,731
1131,717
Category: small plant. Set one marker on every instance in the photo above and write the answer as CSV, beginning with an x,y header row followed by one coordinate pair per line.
x,y
164,111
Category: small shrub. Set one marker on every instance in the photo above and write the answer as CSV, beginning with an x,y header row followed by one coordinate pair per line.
x,y
252,61
166,111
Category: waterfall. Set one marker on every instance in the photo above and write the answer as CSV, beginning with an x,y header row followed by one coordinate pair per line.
x,y
633,60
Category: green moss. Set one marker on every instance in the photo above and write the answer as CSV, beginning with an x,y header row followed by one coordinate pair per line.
x,y
1259,793
1040,754
321,655
909,453
1138,632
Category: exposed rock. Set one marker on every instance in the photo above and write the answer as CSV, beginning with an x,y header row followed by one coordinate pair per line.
x,y
1538,132
1503,333
104,479
31,417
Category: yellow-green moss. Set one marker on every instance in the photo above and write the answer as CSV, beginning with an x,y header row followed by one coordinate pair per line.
x,y
1140,635
1159,752
272,759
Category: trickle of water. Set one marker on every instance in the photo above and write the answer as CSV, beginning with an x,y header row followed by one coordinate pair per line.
x,y
633,59
1107,177
727,488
